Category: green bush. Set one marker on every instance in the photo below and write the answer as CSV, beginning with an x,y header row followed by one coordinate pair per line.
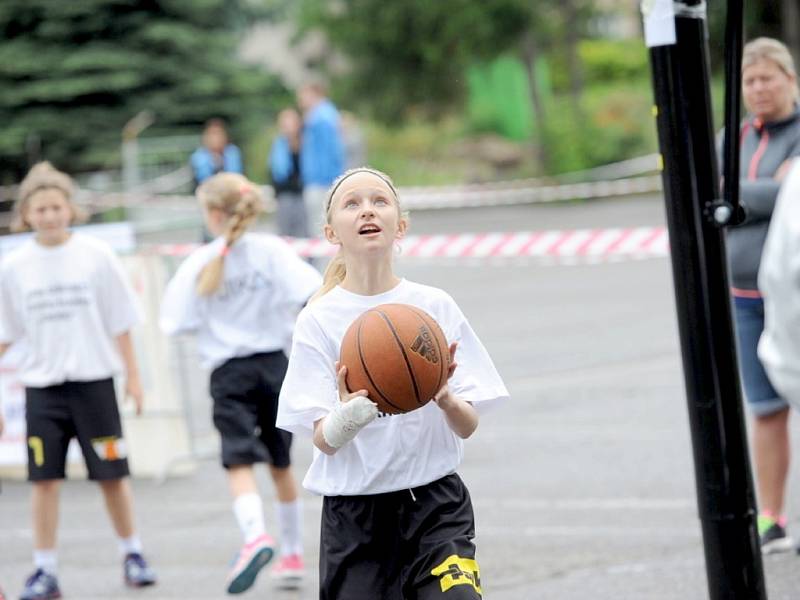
x,y
617,124
605,61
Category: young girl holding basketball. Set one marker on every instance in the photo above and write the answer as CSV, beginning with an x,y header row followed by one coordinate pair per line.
x,y
67,297
397,521
240,295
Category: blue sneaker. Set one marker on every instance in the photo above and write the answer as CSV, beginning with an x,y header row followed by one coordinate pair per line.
x,y
137,572
41,586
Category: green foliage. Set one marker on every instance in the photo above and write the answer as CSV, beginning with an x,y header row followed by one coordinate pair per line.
x,y
618,125
606,61
73,73
499,99
410,56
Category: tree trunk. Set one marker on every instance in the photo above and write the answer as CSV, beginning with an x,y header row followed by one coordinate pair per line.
x,y
790,16
529,53
571,39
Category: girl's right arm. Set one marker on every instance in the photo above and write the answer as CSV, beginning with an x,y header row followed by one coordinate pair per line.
x,y
341,425
179,304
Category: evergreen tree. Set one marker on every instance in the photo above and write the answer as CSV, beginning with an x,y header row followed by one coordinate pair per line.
x,y
73,73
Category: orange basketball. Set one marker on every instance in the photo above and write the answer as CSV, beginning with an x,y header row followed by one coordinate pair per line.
x,y
397,353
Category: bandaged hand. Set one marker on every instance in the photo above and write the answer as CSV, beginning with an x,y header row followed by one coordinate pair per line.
x,y
353,412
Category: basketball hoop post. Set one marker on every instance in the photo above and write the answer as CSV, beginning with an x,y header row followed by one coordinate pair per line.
x,y
677,36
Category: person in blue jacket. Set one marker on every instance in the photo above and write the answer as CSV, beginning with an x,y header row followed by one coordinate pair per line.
x,y
216,154
322,151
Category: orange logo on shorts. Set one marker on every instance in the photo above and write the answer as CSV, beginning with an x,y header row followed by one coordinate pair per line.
x,y
456,570
110,448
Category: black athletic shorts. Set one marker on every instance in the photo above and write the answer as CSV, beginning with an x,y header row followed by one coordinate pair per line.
x,y
83,409
407,545
245,392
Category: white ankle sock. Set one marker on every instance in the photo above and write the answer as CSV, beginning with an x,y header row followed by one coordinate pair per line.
x,y
130,545
249,512
290,522
46,560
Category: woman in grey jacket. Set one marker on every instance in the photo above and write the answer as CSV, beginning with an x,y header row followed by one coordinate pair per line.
x,y
770,140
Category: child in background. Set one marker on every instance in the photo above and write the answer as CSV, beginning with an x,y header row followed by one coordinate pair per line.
x,y
240,294
397,520
67,296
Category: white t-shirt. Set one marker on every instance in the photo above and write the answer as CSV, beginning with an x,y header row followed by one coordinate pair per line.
x,y
393,452
264,284
68,302
779,282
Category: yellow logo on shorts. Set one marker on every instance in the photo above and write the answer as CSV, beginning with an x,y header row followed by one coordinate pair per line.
x,y
36,445
456,570
110,448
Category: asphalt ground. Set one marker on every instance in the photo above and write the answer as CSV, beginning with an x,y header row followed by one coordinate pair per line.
x,y
583,485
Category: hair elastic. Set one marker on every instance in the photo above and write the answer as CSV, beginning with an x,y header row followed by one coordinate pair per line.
x,y
245,188
353,172
225,250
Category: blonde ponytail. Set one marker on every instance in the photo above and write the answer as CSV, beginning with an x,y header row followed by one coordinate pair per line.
x,y
334,275
237,197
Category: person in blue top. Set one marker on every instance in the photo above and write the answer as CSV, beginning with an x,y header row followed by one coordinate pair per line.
x,y
284,171
216,154
322,152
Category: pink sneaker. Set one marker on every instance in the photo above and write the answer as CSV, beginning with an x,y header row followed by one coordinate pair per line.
x,y
289,572
251,559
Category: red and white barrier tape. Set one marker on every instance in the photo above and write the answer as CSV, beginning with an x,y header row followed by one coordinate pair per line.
x,y
588,244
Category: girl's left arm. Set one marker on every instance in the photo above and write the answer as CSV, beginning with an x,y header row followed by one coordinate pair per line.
x,y
461,415
133,387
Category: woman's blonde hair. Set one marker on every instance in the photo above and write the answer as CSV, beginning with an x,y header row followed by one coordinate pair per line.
x,y
241,201
336,270
765,48
44,176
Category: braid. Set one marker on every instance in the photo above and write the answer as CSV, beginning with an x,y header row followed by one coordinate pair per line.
x,y
234,195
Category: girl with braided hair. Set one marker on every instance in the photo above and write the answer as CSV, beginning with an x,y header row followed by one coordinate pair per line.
x,y
240,294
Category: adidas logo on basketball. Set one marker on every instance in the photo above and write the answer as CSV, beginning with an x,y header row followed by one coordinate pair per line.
x,y
423,345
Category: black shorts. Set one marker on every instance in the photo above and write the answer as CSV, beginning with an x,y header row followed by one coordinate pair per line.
x,y
245,392
406,545
83,409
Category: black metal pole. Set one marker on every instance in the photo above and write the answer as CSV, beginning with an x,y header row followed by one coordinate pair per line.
x,y
725,496
734,26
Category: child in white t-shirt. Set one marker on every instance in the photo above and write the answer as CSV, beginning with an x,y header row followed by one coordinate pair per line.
x,y
397,520
66,295
240,294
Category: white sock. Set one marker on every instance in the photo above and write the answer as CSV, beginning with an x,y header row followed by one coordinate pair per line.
x,y
249,513
290,522
46,560
130,545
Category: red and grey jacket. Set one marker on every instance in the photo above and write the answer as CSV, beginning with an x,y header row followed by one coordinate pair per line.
x,y
764,147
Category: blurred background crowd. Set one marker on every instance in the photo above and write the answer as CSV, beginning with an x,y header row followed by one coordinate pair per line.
x,y
118,92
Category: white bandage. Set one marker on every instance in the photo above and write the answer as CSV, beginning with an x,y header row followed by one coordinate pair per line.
x,y
347,419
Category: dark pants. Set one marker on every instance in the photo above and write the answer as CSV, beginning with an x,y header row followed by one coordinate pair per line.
x,y
245,392
405,545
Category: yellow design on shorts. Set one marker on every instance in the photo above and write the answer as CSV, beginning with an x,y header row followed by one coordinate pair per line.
x,y
110,448
456,570
36,445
